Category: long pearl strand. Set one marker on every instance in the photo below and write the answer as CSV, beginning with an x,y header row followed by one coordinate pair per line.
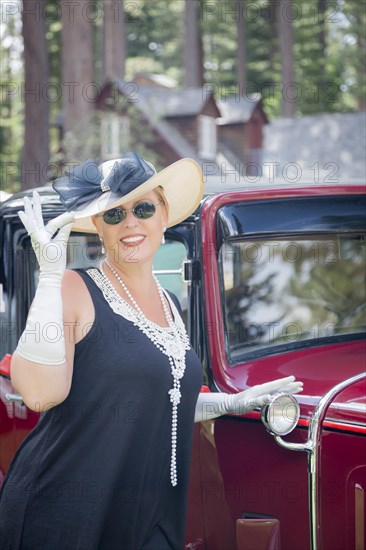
x,y
177,365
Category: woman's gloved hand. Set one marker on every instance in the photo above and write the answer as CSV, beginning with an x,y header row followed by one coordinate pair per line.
x,y
50,248
213,405
43,338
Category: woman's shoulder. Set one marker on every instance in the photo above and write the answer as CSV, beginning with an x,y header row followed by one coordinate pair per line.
x,y
74,274
77,273
175,300
74,280
75,292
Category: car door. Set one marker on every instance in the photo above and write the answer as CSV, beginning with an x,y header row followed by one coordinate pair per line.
x,y
18,271
284,294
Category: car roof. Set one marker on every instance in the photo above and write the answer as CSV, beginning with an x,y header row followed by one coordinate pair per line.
x,y
230,184
213,186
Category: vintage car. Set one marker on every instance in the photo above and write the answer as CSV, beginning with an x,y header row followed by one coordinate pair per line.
x,y
272,282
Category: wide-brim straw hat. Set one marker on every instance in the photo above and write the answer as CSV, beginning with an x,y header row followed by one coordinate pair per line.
x,y
89,189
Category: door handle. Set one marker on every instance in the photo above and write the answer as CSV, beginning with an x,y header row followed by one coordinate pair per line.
x,y
14,397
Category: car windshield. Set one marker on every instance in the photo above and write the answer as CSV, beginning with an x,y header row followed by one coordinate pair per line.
x,y
281,292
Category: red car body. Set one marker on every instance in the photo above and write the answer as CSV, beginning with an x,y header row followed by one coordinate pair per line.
x,y
250,490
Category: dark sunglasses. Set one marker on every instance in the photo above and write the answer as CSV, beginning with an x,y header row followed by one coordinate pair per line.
x,y
142,210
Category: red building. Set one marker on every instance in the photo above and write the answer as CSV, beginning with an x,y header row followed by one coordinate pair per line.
x,y
222,135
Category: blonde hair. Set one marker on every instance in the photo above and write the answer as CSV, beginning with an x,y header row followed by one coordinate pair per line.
x,y
159,191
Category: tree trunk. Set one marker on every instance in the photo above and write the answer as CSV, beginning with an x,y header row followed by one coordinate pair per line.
x,y
241,54
289,88
79,88
192,50
322,7
114,39
35,154
273,34
360,60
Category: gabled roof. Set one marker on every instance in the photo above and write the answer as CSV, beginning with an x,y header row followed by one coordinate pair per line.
x,y
235,111
161,80
170,134
150,111
170,103
158,105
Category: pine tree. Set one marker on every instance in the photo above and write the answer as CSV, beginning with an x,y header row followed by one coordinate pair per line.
x,y
11,105
114,39
35,155
79,87
192,48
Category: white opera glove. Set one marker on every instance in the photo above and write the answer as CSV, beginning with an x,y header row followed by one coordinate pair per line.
x,y
213,405
43,338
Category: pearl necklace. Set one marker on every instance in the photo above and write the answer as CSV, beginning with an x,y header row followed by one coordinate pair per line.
x,y
174,344
167,314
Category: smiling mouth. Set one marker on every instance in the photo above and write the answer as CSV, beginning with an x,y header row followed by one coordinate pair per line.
x,y
129,241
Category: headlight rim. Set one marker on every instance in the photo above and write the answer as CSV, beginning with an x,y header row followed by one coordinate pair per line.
x,y
268,408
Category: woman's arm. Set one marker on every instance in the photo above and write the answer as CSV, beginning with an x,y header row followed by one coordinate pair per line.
x,y
41,366
43,385
213,405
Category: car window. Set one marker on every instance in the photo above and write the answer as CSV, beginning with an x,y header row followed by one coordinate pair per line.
x,y
84,250
288,292
168,269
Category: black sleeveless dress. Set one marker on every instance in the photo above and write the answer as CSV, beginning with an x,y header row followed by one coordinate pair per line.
x,y
95,471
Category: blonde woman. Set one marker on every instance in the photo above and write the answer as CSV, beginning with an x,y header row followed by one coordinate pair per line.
x,y
107,466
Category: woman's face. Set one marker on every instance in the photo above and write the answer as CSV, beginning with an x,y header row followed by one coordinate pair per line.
x,y
133,239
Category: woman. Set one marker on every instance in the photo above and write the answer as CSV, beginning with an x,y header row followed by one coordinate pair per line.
x,y
107,465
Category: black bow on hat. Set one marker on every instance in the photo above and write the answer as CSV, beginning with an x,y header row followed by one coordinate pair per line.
x,y
86,182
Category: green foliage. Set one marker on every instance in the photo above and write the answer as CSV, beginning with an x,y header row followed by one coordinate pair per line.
x,y
11,107
155,37
350,33
321,72
329,78
219,26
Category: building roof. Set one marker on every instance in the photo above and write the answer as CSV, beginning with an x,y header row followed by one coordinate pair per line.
x,y
167,103
170,103
158,105
326,147
161,80
235,111
151,110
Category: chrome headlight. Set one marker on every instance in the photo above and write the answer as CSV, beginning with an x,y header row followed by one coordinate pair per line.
x,y
280,416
